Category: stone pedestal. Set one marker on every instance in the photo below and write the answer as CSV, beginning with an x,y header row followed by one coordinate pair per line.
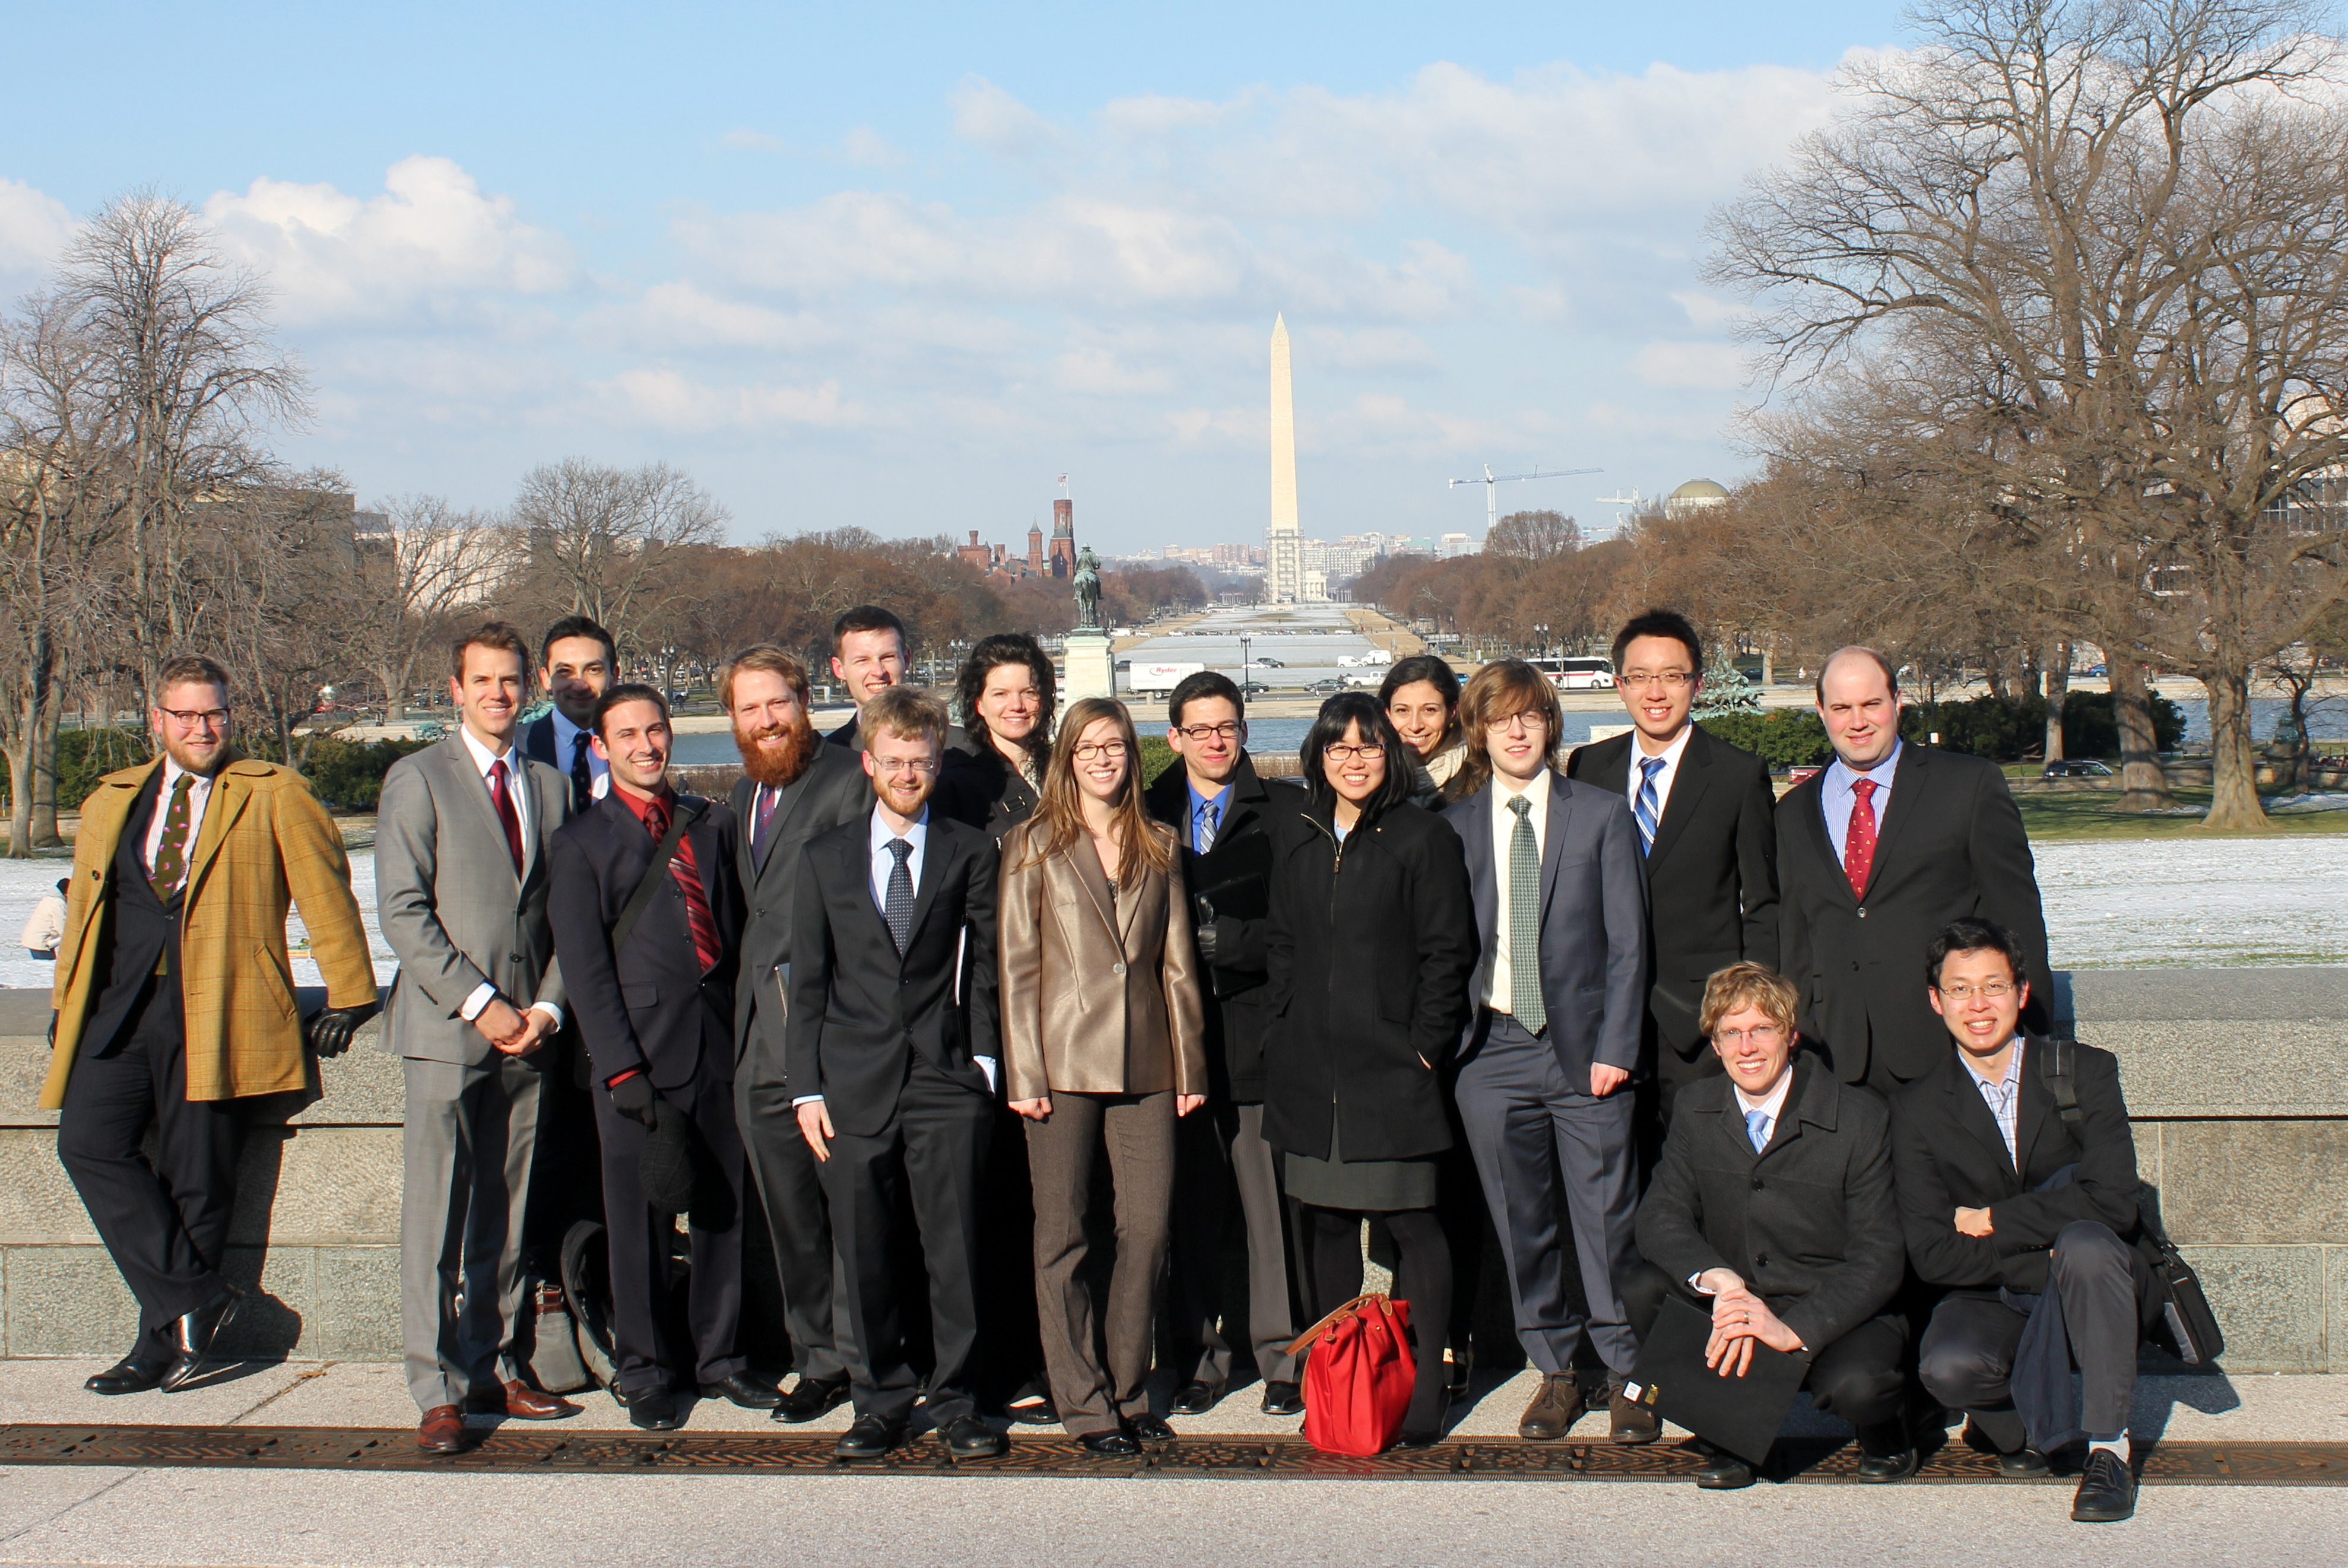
x,y
1092,670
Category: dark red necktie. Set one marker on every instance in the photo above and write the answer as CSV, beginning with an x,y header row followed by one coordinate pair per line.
x,y
507,817
698,917
1859,842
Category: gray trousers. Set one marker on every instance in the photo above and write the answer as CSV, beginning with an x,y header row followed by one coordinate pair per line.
x,y
798,1223
1527,1128
468,1145
1219,1148
1138,1132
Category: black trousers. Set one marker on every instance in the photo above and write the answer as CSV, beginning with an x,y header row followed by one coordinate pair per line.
x,y
1967,1356
641,1237
798,1225
934,1153
1860,1376
165,1222
1422,1276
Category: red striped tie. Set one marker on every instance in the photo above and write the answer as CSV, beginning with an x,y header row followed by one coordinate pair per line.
x,y
1858,843
682,866
508,817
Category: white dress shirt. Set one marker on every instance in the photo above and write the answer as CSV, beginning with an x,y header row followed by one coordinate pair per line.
x,y
1663,777
200,795
1497,995
566,741
518,791
1836,798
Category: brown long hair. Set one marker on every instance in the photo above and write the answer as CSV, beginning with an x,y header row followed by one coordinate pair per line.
x,y
1496,693
1058,824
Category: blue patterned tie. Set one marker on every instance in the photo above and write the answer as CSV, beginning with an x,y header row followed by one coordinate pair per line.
x,y
1524,922
1756,1127
1204,824
1650,808
898,908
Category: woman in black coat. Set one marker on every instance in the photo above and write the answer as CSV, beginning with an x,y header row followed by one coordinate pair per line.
x,y
1372,943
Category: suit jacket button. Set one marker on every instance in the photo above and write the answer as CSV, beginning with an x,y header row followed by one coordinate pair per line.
x,y
1862,911
1761,1260
1756,1183
1116,968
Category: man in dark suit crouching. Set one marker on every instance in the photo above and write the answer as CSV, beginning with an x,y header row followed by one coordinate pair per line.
x,y
1773,1208
891,1045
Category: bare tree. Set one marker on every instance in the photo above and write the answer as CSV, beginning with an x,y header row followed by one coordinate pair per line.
x,y
606,541
1534,536
2111,251
280,565
424,566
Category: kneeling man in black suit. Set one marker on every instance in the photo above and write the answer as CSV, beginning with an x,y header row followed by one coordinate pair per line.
x,y
2024,1209
891,1060
1773,1206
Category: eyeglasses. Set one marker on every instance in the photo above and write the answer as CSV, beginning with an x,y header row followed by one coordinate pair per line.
x,y
1672,680
1529,718
1996,991
1338,751
196,718
1203,733
1759,1033
1087,751
905,764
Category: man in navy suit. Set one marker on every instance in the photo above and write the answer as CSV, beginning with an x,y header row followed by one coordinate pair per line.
x,y
655,1005
576,663
891,1044
1561,997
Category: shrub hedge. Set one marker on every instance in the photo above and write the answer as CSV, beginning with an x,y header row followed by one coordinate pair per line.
x,y
2004,729
344,773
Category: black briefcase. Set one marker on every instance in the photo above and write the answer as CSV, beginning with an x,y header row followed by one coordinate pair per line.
x,y
1741,1414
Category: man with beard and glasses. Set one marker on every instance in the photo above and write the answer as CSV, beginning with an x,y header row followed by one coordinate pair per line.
x,y
793,787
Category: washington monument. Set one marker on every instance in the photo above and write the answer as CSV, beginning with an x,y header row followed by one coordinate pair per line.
x,y
1284,543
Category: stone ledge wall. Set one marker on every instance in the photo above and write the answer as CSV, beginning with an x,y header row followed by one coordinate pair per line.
x,y
2237,1080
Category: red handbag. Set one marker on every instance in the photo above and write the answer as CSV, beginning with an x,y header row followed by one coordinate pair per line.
x,y
1358,1378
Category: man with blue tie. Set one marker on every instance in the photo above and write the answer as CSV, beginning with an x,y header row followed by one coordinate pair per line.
x,y
1218,809
1704,808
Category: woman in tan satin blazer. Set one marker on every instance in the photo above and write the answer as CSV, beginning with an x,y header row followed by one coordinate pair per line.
x,y
1102,1049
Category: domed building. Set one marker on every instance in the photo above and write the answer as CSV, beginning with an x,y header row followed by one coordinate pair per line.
x,y
1695,496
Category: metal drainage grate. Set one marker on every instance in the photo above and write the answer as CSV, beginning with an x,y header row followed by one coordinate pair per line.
x,y
1496,1459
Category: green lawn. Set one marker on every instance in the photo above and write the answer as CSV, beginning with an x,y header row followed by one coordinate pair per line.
x,y
2091,814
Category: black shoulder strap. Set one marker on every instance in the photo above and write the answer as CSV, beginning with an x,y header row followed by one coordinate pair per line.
x,y
678,820
2055,1065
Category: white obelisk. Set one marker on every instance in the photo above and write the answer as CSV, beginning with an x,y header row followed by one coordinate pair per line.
x,y
1284,542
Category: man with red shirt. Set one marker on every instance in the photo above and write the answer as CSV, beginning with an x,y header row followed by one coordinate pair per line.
x,y
655,1000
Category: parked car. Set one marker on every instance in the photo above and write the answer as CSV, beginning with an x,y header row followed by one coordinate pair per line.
x,y
1327,685
1271,663
1255,688
2096,672
2076,767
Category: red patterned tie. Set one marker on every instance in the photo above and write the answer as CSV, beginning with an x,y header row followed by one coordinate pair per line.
x,y
506,816
698,917
1858,843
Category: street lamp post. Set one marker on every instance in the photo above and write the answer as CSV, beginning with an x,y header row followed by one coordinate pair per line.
x,y
1540,629
1246,663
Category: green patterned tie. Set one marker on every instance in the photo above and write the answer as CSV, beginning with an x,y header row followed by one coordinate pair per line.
x,y
170,867
1524,921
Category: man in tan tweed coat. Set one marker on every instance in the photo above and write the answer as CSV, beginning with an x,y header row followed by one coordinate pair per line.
x,y
174,1002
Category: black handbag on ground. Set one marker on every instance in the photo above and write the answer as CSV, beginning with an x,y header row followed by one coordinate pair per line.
x,y
2186,1318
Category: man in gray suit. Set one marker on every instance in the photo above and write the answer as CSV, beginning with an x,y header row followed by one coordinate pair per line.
x,y
793,789
1562,998
461,836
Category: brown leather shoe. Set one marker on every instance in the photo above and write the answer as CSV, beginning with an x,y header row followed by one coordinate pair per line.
x,y
520,1402
1630,1423
1557,1405
442,1431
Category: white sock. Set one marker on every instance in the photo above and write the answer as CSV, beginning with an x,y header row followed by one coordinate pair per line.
x,y
2117,1447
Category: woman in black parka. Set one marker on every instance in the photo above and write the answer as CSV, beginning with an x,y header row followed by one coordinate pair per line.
x,y
1372,942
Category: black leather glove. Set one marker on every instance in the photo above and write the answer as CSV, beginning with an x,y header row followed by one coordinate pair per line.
x,y
1204,933
632,1098
53,1028
328,1032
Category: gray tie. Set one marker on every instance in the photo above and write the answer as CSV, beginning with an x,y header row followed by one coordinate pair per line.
x,y
1524,921
898,909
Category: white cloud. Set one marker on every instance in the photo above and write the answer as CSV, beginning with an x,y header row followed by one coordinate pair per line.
x,y
743,139
34,227
1707,313
674,402
987,117
431,233
1709,366
866,146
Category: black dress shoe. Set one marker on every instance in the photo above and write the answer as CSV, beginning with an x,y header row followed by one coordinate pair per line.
x,y
1111,1444
1723,1471
653,1410
1149,1432
871,1438
968,1438
192,1338
812,1397
136,1373
744,1390
1195,1399
1880,1469
2022,1464
2107,1491
1282,1398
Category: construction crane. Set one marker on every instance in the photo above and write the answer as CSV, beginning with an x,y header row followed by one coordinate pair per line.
x,y
1634,500
1492,483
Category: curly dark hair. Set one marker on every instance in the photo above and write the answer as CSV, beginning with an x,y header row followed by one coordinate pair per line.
x,y
990,653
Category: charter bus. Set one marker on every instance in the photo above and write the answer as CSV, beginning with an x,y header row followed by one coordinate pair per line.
x,y
1576,674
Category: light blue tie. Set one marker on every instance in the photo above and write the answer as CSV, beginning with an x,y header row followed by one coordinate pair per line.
x,y
1650,808
1203,826
1756,1127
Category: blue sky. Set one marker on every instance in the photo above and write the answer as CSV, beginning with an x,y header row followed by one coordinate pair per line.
x,y
901,265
